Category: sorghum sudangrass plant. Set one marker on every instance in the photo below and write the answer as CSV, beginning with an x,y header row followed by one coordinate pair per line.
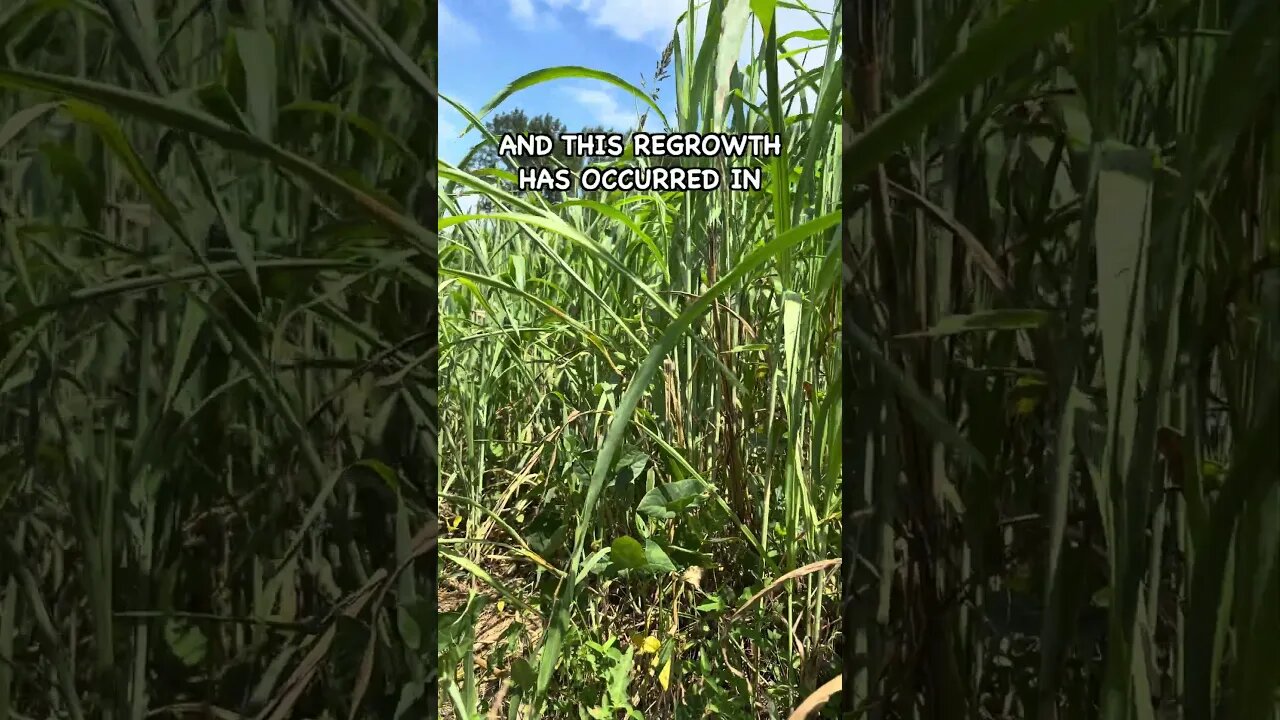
x,y
217,301
1063,328
641,410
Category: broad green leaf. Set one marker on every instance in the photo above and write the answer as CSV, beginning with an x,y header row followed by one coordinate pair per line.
x,y
186,641
668,500
628,554
657,559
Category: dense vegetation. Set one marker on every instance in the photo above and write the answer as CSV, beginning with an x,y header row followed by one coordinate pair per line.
x,y
641,406
1062,321
217,339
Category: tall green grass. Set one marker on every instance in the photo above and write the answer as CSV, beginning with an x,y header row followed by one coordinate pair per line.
x,y
216,359
641,404
1063,251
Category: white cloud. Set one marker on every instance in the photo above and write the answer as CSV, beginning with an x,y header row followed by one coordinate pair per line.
x,y
522,10
650,21
530,17
653,21
605,108
454,27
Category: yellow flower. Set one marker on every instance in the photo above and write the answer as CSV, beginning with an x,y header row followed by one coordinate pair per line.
x,y
646,644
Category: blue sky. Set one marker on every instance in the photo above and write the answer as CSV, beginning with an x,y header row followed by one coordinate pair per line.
x,y
485,44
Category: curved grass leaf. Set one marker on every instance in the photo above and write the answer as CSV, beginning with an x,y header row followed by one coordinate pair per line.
x,y
992,47
567,72
176,116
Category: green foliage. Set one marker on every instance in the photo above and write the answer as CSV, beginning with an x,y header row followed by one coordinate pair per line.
x,y
216,387
1061,292
660,372
628,554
